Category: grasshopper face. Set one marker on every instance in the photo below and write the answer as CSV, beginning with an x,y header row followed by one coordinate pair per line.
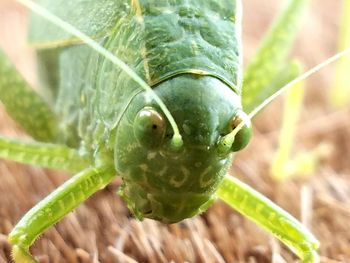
x,y
170,184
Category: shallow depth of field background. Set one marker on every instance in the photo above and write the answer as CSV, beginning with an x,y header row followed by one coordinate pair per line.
x,y
102,229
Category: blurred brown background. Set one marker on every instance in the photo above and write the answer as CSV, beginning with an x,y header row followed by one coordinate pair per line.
x,y
102,230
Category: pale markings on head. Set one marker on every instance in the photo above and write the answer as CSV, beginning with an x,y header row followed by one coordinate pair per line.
x,y
186,129
202,181
163,171
144,167
198,164
179,183
151,155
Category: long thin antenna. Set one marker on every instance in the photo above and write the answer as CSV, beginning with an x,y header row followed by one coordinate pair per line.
x,y
299,79
177,139
229,138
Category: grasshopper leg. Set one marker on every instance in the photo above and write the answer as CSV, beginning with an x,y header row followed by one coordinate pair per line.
x,y
47,155
270,69
54,207
24,105
271,217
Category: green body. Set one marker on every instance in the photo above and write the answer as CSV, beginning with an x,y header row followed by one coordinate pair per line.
x,y
176,48
99,122
159,40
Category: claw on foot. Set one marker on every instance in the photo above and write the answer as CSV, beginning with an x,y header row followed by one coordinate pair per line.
x,y
21,255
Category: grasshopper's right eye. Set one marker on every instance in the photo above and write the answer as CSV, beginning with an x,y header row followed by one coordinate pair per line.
x,y
245,133
149,127
239,140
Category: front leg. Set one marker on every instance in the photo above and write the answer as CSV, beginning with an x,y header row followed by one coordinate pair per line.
x,y
271,217
54,207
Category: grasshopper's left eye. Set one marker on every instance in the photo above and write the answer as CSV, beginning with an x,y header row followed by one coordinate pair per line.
x,y
242,138
149,127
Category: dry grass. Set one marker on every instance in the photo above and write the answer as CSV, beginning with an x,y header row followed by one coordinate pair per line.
x,y
102,230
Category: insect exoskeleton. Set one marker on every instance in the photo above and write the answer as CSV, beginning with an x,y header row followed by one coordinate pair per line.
x,y
170,183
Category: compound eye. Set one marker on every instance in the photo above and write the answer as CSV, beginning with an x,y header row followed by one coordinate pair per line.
x,y
242,138
149,127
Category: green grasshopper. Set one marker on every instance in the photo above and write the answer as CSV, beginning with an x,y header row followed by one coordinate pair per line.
x,y
169,144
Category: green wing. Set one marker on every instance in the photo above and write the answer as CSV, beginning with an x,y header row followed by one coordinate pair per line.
x,y
94,18
270,69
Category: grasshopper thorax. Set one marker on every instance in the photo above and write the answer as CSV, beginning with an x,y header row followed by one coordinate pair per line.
x,y
169,184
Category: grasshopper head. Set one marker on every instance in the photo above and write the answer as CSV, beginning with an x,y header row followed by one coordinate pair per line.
x,y
173,183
